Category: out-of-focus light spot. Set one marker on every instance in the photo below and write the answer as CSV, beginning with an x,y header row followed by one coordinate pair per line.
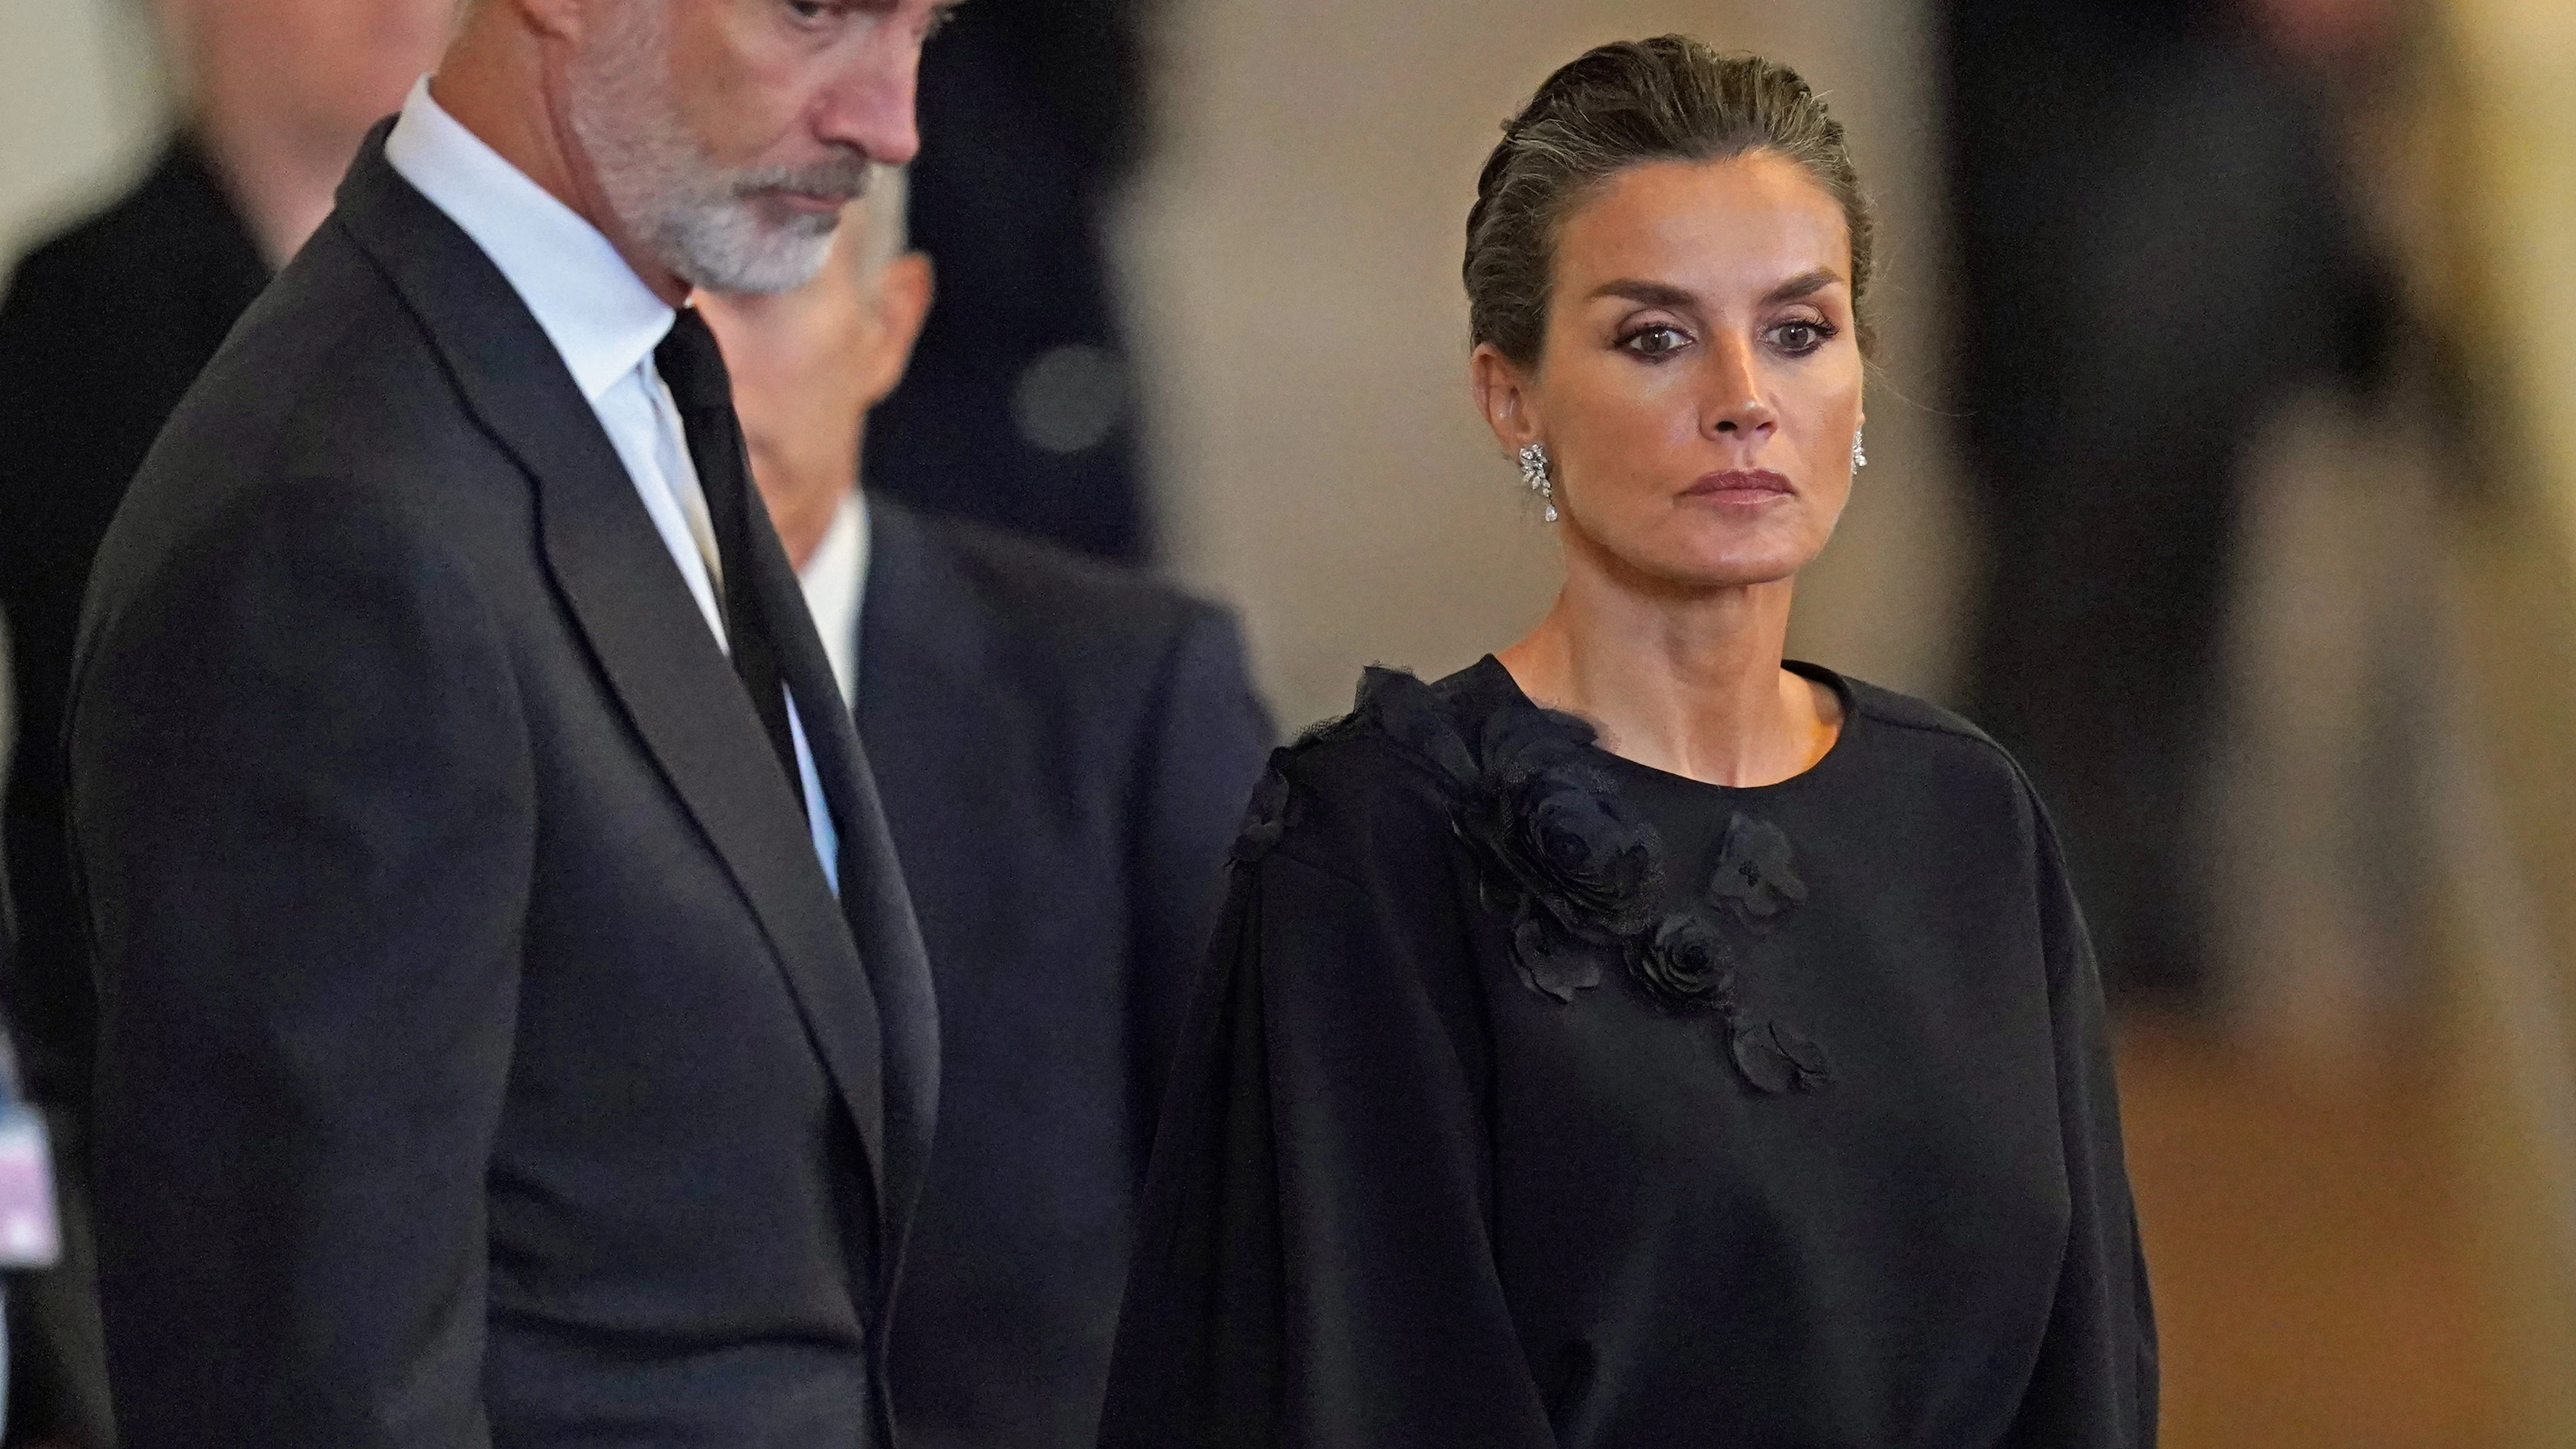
x,y
1070,398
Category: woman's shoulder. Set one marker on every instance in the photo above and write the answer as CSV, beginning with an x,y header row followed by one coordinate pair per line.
x,y
1912,745
1908,726
1385,782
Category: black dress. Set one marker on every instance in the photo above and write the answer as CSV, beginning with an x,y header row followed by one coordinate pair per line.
x,y
1537,1097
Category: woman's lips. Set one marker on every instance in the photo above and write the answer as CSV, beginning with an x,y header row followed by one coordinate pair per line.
x,y
1737,485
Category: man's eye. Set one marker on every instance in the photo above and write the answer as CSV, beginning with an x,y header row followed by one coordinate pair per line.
x,y
1656,341
809,10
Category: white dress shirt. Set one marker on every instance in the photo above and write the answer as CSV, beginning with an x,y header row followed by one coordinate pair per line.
x,y
605,322
835,577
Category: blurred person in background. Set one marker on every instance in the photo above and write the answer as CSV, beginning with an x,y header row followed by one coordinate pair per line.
x,y
1064,750
102,329
2158,254
1019,408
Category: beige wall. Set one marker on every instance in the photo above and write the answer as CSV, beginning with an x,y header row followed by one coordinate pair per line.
x,y
79,102
1292,264
2500,279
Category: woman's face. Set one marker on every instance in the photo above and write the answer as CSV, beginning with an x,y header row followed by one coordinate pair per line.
x,y
1700,382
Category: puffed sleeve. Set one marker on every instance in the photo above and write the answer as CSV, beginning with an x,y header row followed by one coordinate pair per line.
x,y
1315,1262
2095,1383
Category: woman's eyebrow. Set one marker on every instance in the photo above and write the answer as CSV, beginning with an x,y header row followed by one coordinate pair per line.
x,y
1805,284
1665,294
1650,294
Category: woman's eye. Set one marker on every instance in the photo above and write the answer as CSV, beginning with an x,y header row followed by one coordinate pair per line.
x,y
1800,338
1655,342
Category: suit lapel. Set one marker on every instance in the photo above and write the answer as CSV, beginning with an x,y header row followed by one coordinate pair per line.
x,y
651,642
873,897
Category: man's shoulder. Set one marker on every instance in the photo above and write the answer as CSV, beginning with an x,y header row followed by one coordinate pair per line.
x,y
327,355
327,381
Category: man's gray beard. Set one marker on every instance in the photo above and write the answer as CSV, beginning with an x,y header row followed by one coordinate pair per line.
x,y
694,216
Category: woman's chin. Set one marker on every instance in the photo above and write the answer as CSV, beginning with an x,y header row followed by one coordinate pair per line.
x,y
1695,570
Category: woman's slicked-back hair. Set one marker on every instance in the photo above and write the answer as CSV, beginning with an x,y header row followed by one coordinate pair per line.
x,y
1666,99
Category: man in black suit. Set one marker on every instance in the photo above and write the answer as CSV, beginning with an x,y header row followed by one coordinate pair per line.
x,y
1065,750
513,1030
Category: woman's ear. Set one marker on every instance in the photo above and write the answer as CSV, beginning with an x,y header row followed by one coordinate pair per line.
x,y
1503,394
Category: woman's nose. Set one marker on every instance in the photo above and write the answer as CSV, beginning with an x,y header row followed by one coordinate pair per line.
x,y
1734,405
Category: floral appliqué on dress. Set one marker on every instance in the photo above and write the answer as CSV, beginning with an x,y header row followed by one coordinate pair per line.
x,y
1577,877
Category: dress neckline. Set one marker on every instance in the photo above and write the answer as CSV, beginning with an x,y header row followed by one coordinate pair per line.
x,y
1489,679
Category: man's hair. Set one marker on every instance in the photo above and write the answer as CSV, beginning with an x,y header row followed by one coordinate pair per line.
x,y
885,214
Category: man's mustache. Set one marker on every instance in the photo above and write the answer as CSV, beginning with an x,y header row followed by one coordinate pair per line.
x,y
843,179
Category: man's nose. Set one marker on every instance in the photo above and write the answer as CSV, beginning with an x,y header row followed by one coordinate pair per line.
x,y
870,105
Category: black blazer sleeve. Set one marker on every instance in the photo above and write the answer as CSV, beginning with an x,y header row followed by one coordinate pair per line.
x,y
303,808
1206,735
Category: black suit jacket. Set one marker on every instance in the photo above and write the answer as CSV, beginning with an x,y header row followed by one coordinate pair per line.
x,y
483,1055
1065,751
101,332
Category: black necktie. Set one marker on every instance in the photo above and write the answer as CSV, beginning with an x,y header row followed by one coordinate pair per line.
x,y
694,369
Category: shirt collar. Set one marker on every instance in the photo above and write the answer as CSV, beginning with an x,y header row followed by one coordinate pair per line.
x,y
593,307
836,585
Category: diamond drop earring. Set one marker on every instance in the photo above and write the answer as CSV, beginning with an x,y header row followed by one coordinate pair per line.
x,y
1534,473
1860,455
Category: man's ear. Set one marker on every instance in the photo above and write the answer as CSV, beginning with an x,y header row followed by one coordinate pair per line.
x,y
1503,394
904,290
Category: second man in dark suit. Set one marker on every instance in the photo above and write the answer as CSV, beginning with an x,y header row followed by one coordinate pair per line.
x,y
1065,750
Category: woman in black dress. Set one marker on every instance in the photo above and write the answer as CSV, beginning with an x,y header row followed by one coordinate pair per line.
x,y
1635,1039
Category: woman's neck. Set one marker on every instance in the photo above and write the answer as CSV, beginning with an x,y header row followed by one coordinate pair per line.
x,y
1686,681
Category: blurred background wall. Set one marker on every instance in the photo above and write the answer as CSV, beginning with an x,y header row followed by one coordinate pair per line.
x,y
2352,1115
80,97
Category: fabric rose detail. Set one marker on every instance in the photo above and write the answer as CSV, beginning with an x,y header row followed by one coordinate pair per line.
x,y
1559,857
1562,860
1275,807
1685,963
1564,845
1551,963
1778,1058
1753,881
